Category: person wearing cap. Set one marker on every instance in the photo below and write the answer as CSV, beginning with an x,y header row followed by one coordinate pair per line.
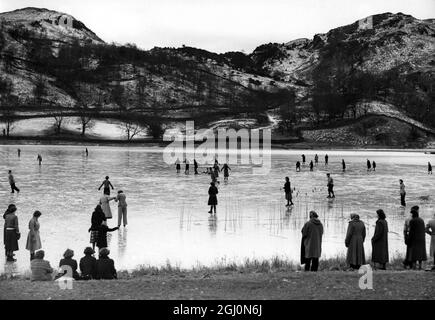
x,y
33,238
122,208
312,242
416,240
105,266
355,236
88,265
69,261
41,269
11,232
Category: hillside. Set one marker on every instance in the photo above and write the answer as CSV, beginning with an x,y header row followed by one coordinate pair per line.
x,y
52,65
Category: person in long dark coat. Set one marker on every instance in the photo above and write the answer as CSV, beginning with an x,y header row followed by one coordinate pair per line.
x,y
212,199
355,236
312,242
88,265
380,241
11,232
98,217
416,240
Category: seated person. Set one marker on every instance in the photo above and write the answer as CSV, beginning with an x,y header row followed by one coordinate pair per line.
x,y
105,266
41,269
88,265
68,261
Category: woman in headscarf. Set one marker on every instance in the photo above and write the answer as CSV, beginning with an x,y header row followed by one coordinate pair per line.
x,y
11,232
33,238
380,241
312,242
355,236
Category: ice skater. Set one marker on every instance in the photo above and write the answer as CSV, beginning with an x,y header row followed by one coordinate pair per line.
x,y
369,165
298,166
316,159
122,208
429,168
311,165
326,159
19,152
288,192
39,158
402,193
374,165
212,199
12,182
87,152
343,165
225,169
107,185
330,186
186,169
178,165
195,166
303,159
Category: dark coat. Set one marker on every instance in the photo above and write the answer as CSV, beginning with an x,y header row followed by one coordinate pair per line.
x,y
102,235
380,242
212,199
312,234
356,234
97,219
105,268
73,264
88,267
415,241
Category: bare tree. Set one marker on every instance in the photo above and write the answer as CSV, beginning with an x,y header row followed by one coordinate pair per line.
x,y
7,105
131,128
86,119
59,120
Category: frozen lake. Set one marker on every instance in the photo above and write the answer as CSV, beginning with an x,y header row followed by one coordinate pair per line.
x,y
168,219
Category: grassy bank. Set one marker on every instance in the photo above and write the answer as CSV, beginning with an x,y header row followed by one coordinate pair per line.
x,y
253,279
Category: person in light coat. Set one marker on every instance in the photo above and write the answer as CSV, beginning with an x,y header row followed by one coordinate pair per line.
x,y
105,205
430,230
33,238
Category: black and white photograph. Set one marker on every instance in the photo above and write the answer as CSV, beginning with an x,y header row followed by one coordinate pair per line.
x,y
232,150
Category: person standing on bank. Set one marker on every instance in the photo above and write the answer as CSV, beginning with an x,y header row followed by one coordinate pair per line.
x,y
402,193
33,239
107,185
430,230
312,241
380,241
122,208
288,192
416,240
429,168
330,186
212,199
12,182
343,165
11,232
355,236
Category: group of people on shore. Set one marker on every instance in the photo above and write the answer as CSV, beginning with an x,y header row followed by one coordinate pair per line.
x,y
414,235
